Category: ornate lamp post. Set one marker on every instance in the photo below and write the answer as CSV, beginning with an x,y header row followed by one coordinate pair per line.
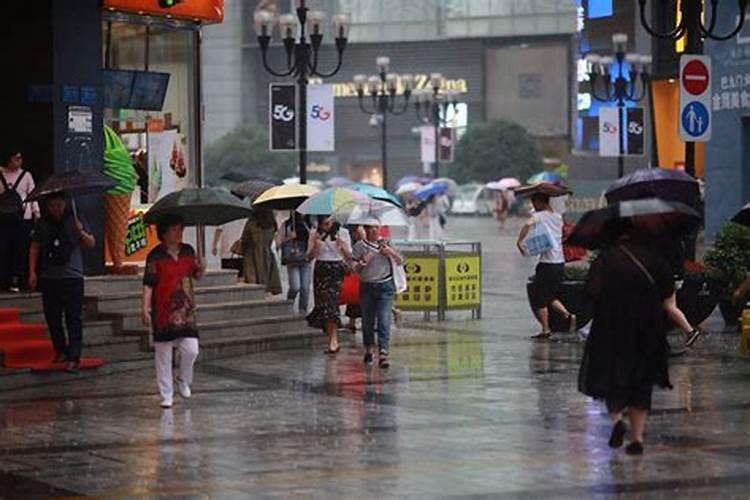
x,y
692,27
432,108
622,89
383,89
301,55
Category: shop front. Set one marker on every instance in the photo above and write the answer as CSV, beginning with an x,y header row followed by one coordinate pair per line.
x,y
151,99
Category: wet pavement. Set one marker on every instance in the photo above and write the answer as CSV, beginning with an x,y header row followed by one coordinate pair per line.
x,y
468,409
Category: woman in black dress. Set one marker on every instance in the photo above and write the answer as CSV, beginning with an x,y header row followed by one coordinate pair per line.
x,y
627,353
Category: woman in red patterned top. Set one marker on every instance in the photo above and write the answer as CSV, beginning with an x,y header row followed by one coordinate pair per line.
x,y
169,306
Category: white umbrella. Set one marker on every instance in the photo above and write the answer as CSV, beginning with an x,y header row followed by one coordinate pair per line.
x,y
409,187
503,184
371,213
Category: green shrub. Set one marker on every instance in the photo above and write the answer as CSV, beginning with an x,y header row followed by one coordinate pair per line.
x,y
729,260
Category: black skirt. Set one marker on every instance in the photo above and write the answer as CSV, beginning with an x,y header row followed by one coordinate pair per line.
x,y
327,279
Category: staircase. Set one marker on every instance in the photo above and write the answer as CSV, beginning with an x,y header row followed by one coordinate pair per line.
x,y
233,319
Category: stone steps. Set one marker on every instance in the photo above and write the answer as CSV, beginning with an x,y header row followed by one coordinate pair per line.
x,y
110,284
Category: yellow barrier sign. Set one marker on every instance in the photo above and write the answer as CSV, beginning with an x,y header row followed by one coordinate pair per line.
x,y
422,283
463,281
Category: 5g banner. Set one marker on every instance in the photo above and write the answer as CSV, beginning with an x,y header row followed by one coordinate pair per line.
x,y
320,118
282,116
635,130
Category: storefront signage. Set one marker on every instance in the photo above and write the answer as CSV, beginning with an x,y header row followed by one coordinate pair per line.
x,y
422,283
734,94
136,237
421,81
695,98
80,120
210,11
463,281
320,118
282,116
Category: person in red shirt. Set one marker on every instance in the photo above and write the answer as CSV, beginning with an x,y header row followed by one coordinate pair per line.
x,y
169,306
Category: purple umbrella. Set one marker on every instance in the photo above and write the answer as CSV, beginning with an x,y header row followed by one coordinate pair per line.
x,y
667,184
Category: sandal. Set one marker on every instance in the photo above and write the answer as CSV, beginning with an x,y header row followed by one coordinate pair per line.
x,y
332,351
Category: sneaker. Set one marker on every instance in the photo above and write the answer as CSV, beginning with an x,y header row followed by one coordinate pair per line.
x,y
184,389
166,404
368,358
383,360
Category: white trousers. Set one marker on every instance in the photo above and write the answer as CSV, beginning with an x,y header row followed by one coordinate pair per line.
x,y
188,352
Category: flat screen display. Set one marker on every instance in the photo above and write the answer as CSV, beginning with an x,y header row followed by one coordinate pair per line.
x,y
117,87
148,90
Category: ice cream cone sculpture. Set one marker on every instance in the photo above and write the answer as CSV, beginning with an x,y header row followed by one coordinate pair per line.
x,y
118,166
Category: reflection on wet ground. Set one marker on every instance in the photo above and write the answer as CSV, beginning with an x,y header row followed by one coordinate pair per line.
x,y
469,408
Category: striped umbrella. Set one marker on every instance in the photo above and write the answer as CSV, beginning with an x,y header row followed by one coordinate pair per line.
x,y
375,192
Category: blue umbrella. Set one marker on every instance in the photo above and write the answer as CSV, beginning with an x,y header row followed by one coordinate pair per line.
x,y
546,176
375,192
432,189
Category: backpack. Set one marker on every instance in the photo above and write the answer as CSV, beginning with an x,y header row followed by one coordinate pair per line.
x,y
11,204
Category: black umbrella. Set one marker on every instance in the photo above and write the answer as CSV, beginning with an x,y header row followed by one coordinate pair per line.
x,y
743,216
252,189
73,183
200,207
667,184
651,217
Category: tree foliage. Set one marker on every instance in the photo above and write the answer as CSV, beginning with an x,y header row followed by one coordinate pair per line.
x,y
490,151
245,151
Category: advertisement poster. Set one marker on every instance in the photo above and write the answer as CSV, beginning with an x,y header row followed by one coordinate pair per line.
x,y
422,284
282,117
463,281
609,131
320,118
168,169
428,144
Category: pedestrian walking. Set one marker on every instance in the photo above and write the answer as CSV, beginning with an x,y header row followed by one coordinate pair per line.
x,y
551,266
56,267
169,306
353,309
375,259
259,264
626,353
292,238
16,221
331,248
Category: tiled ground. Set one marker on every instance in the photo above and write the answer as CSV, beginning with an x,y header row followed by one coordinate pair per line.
x,y
468,409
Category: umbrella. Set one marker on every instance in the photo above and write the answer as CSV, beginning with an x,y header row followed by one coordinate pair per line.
x,y
284,197
743,216
375,192
252,188
509,183
408,187
412,178
452,185
546,176
200,207
432,189
649,217
329,200
338,181
371,213
667,184
542,188
74,183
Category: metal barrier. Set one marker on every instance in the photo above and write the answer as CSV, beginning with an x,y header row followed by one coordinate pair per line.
x,y
441,276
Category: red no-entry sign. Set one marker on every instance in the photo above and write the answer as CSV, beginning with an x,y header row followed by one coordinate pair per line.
x,y
695,77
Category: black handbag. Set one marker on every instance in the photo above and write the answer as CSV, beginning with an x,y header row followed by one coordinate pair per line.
x,y
293,251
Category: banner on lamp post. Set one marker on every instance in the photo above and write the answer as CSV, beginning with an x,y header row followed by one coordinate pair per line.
x,y
609,131
635,132
282,117
320,118
428,144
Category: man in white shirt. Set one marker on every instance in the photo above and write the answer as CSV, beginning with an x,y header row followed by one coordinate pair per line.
x,y
16,220
551,267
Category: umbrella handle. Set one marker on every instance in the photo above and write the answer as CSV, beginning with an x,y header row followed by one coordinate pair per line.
x,y
73,206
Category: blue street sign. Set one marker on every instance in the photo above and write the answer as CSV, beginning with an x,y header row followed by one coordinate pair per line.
x,y
695,119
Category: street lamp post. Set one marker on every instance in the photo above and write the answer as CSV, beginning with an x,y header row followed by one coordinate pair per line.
x,y
622,89
692,27
301,55
383,89
432,108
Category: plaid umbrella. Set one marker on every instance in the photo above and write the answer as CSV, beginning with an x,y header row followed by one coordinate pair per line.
x,y
329,200
648,218
200,207
74,183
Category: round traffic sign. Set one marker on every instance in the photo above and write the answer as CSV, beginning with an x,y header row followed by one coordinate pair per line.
x,y
695,77
695,119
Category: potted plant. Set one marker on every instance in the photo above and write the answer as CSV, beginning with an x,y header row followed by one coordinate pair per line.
x,y
728,262
572,293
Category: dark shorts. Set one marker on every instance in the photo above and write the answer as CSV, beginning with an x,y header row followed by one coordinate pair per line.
x,y
546,283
